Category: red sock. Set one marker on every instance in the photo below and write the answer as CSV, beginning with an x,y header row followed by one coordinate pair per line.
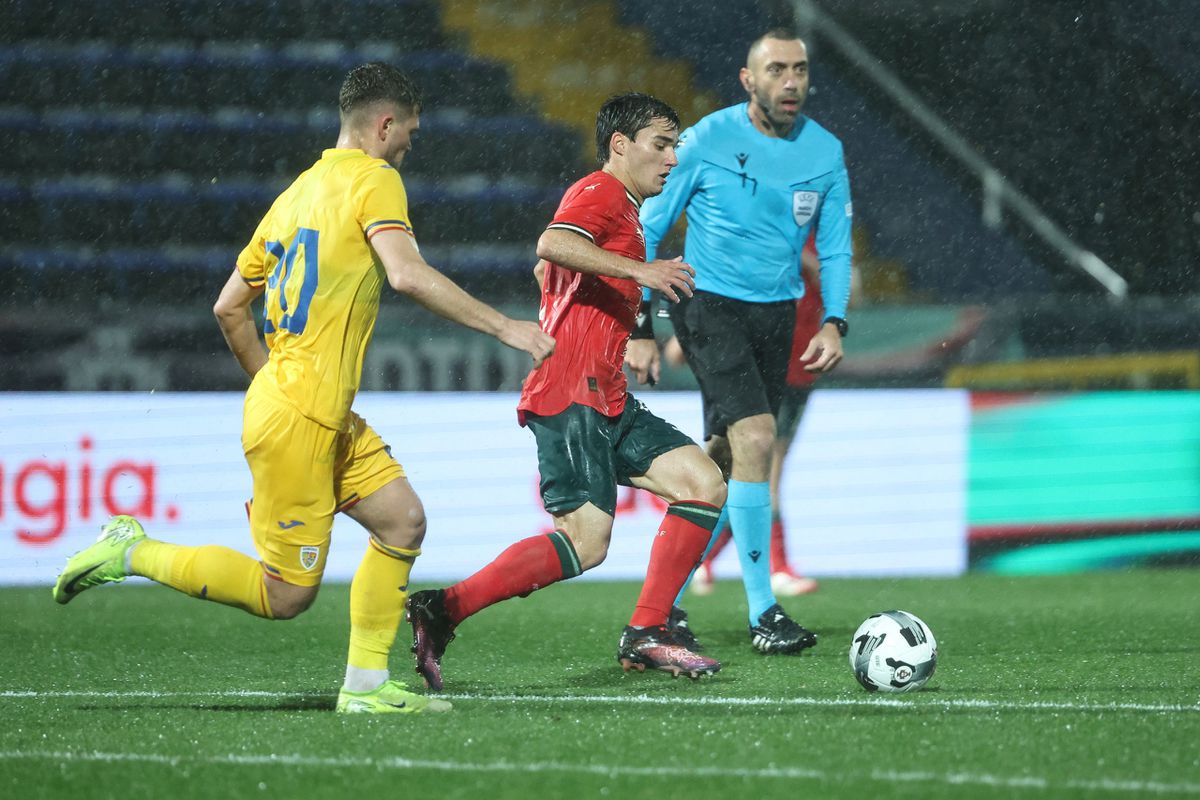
x,y
523,568
681,539
722,539
779,562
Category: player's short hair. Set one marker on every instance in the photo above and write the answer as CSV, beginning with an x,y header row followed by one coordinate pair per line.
x,y
628,113
784,34
377,82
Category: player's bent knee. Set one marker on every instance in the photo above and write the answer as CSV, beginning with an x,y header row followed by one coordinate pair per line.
x,y
590,550
710,486
594,559
591,547
406,532
292,608
289,601
414,526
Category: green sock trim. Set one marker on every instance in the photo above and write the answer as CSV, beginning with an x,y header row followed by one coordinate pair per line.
x,y
701,514
567,559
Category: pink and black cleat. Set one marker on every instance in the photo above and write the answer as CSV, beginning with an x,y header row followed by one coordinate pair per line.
x,y
658,648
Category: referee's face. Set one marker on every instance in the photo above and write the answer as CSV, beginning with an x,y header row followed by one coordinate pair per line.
x,y
776,78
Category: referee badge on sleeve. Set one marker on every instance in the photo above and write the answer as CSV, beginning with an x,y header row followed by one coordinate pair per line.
x,y
804,206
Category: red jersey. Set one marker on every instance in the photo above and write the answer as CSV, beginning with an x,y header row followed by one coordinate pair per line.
x,y
809,313
589,316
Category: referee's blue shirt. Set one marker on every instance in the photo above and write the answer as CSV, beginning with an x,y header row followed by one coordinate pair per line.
x,y
751,201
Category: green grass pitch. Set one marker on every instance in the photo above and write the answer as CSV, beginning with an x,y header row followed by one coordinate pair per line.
x,y
1048,687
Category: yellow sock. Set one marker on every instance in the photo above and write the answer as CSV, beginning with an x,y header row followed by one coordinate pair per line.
x,y
210,572
377,596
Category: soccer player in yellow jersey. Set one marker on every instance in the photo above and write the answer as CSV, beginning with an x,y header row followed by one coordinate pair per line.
x,y
320,256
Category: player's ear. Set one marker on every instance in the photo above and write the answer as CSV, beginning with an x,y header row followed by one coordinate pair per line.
x,y
384,124
618,142
746,78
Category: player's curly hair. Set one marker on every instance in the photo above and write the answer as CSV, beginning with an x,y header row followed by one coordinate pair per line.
x,y
374,82
628,113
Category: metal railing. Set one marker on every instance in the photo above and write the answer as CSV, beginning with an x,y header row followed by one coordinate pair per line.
x,y
999,193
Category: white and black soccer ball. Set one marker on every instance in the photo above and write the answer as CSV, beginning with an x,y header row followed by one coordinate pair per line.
x,y
893,651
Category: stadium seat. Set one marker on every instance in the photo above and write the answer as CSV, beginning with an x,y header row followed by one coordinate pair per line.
x,y
143,138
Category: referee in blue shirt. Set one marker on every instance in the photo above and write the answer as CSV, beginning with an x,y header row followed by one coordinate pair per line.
x,y
754,179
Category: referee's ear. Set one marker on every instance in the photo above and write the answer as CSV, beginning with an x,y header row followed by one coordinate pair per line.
x,y
747,79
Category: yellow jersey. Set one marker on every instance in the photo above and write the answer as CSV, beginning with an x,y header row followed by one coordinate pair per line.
x,y
312,251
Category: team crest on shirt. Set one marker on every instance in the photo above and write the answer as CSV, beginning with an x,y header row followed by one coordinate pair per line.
x,y
804,205
308,557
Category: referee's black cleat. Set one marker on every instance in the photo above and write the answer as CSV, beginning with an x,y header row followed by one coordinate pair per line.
x,y
776,632
432,631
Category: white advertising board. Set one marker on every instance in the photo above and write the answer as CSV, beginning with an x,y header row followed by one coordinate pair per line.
x,y
875,484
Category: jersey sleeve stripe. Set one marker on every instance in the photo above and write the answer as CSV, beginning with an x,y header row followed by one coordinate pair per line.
x,y
566,226
388,225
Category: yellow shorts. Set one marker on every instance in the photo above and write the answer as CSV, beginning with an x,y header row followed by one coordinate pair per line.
x,y
304,473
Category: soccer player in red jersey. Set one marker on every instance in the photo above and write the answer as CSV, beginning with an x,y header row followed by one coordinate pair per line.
x,y
591,433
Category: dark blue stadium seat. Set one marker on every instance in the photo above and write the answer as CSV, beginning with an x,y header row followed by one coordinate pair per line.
x,y
215,74
151,137
410,24
104,211
138,144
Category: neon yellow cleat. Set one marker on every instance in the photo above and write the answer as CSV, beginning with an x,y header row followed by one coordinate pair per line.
x,y
103,562
391,698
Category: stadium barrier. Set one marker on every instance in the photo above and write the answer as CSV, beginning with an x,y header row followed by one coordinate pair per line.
x,y
1179,369
875,485
879,482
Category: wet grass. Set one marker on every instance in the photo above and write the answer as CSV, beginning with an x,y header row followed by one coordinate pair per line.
x,y
1064,686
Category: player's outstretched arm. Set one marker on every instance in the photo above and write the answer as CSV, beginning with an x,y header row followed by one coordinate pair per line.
x,y
408,274
573,251
232,311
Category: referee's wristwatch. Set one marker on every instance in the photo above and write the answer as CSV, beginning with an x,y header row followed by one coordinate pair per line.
x,y
838,323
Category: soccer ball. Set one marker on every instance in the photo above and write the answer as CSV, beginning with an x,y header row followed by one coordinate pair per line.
x,y
893,651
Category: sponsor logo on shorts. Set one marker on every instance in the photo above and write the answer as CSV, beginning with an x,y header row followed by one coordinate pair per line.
x,y
283,526
308,557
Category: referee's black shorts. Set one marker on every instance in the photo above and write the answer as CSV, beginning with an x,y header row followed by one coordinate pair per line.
x,y
739,353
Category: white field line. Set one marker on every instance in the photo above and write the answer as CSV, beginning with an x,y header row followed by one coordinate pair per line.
x,y
298,760
913,703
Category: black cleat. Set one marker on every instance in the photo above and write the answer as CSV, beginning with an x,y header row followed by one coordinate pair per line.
x,y
432,631
677,624
656,648
776,632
